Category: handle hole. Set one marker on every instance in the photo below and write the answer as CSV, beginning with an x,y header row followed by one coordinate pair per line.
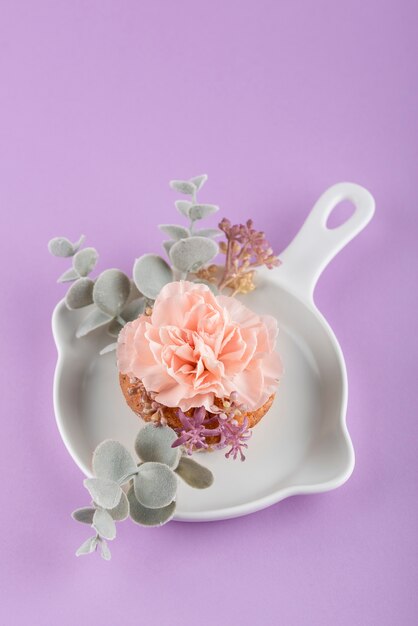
x,y
340,214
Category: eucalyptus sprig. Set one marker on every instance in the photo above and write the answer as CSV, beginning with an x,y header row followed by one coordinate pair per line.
x,y
118,300
144,491
188,249
61,246
114,297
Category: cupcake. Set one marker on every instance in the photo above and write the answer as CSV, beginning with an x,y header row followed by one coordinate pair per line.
x,y
202,363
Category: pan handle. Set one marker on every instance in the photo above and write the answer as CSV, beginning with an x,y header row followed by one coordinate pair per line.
x,y
316,245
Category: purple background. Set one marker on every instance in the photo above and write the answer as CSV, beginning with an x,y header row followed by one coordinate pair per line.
x,y
101,103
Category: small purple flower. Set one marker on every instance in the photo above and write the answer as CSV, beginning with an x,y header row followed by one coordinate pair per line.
x,y
193,432
231,432
220,422
234,434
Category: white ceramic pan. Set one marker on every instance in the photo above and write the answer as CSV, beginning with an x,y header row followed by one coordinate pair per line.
x,y
301,446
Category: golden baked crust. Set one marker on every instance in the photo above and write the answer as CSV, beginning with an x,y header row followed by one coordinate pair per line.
x,y
141,404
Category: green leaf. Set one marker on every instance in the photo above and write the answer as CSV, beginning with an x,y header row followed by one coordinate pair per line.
x,y
199,181
194,474
104,524
153,443
84,515
150,274
106,493
68,276
85,261
134,309
155,485
209,232
88,546
61,246
111,347
112,461
121,511
111,291
174,231
189,254
149,517
199,211
80,294
114,328
104,550
94,319
168,245
183,207
135,293
183,186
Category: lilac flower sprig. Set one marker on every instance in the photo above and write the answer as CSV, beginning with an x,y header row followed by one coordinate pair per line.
x,y
245,249
194,430
231,432
220,422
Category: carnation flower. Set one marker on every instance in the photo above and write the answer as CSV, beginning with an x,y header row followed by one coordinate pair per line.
x,y
195,347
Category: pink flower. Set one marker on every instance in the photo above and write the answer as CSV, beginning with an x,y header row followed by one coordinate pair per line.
x,y
196,346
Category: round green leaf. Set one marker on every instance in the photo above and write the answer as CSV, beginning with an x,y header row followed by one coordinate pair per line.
x,y
155,485
106,493
84,515
149,517
190,254
111,291
80,294
121,511
194,474
112,461
133,309
61,246
150,274
85,261
153,443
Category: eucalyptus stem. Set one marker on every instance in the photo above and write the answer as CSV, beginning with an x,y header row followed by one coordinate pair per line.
x,y
128,477
194,200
